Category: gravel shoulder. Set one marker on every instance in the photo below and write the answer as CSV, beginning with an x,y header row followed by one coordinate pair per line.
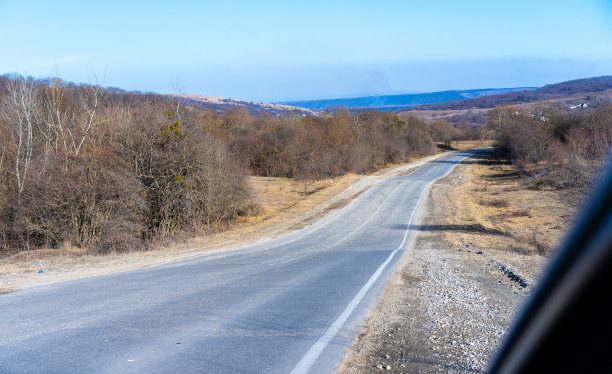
x,y
450,303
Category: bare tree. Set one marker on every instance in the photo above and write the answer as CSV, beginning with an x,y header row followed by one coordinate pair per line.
x,y
89,100
69,116
443,131
55,117
22,107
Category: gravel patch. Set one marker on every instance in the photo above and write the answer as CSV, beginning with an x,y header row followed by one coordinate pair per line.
x,y
468,311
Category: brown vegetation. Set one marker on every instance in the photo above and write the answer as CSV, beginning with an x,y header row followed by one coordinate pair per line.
x,y
281,204
82,166
554,148
107,171
316,147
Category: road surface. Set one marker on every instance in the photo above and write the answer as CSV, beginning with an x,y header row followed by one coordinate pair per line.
x,y
291,305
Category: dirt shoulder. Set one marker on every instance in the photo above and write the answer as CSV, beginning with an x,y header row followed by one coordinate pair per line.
x,y
285,205
470,266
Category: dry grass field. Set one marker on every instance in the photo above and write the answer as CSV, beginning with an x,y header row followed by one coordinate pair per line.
x,y
438,115
496,210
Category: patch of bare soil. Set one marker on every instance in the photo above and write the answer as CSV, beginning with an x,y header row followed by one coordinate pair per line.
x,y
459,285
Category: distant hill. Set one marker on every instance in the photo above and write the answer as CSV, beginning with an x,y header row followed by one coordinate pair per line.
x,y
221,104
558,91
591,91
398,102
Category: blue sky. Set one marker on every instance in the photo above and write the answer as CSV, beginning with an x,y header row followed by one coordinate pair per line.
x,y
282,50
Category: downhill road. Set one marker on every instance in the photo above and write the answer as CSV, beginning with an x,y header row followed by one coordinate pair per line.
x,y
293,304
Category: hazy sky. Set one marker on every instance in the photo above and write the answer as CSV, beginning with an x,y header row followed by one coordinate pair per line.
x,y
279,50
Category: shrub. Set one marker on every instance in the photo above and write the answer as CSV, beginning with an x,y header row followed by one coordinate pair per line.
x,y
570,147
188,178
87,201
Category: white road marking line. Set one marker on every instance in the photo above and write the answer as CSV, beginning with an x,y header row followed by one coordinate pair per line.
x,y
315,351
291,259
319,224
366,221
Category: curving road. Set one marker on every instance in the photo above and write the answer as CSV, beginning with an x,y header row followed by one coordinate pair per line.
x,y
292,305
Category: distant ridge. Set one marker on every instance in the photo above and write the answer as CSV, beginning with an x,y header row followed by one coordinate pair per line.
x,y
547,92
221,104
398,102
601,87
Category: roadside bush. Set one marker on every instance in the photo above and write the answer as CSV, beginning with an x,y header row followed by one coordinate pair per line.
x,y
188,178
88,201
444,132
418,140
563,149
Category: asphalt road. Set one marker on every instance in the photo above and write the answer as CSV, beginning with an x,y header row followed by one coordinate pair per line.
x,y
293,304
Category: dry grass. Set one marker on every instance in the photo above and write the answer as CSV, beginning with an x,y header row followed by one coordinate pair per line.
x,y
496,203
284,200
437,115
472,144
505,217
275,195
